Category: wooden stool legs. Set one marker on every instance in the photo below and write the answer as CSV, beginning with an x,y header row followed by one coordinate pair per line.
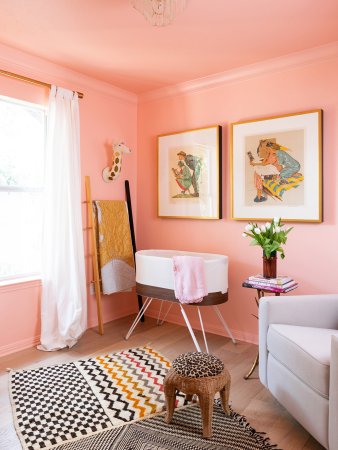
x,y
207,406
170,400
204,388
224,395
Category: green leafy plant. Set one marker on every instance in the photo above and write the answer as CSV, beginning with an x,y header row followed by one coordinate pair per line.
x,y
270,236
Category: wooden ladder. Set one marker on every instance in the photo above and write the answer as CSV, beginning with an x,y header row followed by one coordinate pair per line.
x,y
95,261
91,227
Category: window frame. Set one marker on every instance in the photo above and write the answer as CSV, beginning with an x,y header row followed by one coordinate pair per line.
x,y
33,275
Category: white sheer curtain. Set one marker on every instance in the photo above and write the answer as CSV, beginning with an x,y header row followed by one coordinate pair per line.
x,y
64,304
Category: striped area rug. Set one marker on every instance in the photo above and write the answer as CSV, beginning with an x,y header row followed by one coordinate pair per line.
x,y
67,402
184,433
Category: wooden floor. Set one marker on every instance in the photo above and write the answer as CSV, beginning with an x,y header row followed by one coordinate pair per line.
x,y
249,397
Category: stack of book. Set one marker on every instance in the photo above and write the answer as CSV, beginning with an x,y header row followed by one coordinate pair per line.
x,y
280,284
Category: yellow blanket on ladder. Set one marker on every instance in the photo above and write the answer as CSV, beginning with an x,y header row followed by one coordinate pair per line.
x,y
115,251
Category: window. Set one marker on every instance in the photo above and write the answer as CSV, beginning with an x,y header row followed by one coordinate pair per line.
x,y
22,145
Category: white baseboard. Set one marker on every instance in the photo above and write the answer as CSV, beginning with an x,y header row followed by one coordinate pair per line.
x,y
19,345
215,328
30,342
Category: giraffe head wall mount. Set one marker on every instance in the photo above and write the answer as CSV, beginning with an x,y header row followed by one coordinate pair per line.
x,y
112,173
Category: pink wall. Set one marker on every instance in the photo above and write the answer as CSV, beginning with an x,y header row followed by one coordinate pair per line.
x,y
107,114
311,257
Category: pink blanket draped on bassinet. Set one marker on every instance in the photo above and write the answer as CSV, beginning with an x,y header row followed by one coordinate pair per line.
x,y
189,279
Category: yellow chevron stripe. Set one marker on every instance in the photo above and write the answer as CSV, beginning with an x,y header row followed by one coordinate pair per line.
x,y
130,394
146,400
160,357
115,376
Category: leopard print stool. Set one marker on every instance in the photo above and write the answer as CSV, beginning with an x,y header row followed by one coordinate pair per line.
x,y
200,374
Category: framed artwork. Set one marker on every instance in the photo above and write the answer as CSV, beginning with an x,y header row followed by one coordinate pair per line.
x,y
189,174
276,168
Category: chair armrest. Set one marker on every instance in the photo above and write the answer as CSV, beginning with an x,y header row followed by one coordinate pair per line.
x,y
319,311
333,401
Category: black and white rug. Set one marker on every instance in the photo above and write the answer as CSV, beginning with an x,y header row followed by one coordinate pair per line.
x,y
57,404
184,433
113,402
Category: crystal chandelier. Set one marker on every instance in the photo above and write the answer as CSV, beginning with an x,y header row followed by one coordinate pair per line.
x,y
159,12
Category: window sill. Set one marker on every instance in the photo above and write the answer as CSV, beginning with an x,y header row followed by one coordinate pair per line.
x,y
20,283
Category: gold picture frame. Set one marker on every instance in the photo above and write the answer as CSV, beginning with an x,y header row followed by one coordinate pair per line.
x,y
189,174
276,168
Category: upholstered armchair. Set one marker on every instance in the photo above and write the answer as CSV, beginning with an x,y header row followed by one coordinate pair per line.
x,y
298,360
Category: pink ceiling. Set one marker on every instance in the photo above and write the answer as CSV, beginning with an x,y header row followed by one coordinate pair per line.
x,y
109,40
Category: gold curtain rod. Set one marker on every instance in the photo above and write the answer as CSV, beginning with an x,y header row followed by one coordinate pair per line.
x,y
30,80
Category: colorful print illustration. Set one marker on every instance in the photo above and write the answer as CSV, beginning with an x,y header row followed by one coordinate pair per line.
x,y
188,175
275,170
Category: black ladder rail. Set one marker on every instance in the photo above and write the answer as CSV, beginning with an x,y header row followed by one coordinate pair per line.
x,y
132,233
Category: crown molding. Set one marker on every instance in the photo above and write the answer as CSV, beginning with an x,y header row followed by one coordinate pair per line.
x,y
290,61
14,60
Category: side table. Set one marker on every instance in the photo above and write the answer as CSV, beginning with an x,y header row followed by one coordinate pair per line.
x,y
260,293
